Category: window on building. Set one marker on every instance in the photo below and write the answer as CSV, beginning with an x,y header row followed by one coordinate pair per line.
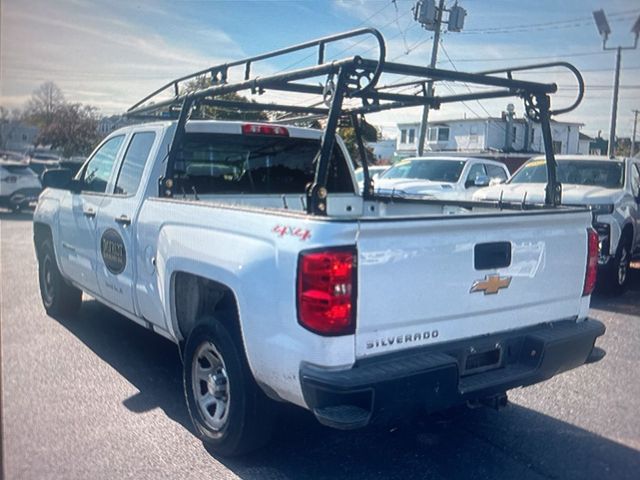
x,y
412,135
403,136
443,134
532,135
439,134
513,134
557,147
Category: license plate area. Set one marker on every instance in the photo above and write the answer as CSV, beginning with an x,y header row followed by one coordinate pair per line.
x,y
480,360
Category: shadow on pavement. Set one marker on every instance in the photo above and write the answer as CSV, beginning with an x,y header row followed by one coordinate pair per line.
x,y
514,443
23,216
627,304
147,360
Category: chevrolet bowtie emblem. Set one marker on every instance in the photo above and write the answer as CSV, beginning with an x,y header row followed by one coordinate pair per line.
x,y
491,284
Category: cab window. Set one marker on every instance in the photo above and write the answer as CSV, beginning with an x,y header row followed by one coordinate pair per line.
x,y
96,173
476,171
133,163
496,172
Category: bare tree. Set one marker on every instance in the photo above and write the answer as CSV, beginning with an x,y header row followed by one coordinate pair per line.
x,y
74,130
44,103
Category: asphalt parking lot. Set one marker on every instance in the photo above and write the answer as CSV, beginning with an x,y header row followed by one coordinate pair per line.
x,y
99,397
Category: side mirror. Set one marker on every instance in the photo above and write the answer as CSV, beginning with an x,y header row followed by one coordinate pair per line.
x,y
479,181
60,178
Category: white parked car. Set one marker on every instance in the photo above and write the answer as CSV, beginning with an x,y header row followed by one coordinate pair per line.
x,y
447,178
19,186
610,187
374,171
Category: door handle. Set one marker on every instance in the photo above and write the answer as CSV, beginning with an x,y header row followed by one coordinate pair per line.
x,y
123,220
89,213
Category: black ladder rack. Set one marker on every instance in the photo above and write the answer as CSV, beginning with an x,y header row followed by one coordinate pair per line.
x,y
349,78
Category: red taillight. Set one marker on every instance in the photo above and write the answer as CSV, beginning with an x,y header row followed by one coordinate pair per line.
x,y
326,291
261,129
592,262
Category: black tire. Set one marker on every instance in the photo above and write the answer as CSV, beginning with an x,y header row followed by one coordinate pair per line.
x,y
58,297
616,276
247,418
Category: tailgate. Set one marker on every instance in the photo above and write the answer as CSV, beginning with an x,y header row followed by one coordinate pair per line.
x,y
436,280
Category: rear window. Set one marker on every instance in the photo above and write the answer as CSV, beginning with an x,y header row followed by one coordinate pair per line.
x,y
226,163
435,170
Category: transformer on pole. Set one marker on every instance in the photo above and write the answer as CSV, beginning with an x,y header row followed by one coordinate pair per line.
x,y
430,17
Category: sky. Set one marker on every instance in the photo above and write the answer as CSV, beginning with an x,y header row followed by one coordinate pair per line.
x,y
110,54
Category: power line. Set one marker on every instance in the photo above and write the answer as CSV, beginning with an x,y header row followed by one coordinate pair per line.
x,y
558,24
537,57
453,65
352,46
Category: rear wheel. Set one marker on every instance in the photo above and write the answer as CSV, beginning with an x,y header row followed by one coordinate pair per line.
x,y
58,297
229,411
618,274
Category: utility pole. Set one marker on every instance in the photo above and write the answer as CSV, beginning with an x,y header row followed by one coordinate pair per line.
x,y
604,30
430,16
633,138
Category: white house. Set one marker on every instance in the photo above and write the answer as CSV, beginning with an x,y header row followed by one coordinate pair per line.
x,y
584,144
17,136
486,135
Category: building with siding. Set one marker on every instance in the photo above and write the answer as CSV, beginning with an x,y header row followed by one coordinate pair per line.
x,y
487,135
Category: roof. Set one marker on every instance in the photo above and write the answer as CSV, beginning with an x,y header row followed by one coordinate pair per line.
x,y
582,136
481,119
580,157
223,126
452,158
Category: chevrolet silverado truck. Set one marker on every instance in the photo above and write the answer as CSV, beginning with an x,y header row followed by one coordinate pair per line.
x,y
609,187
251,246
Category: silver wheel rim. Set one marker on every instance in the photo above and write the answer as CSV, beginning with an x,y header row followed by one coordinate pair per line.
x,y
47,279
623,266
211,386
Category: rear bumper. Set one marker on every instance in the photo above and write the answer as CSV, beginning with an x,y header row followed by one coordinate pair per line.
x,y
23,196
445,375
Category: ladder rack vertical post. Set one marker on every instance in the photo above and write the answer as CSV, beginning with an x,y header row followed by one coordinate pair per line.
x,y
317,193
553,190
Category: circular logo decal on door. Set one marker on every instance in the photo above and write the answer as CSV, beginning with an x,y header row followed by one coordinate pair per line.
x,y
113,251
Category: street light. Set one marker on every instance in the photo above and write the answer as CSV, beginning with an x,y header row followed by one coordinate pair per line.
x,y
604,30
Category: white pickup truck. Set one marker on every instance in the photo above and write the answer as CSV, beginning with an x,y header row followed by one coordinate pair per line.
x,y
609,187
441,177
251,246
379,306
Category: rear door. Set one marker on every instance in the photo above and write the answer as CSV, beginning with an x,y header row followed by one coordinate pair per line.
x,y
436,280
116,229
